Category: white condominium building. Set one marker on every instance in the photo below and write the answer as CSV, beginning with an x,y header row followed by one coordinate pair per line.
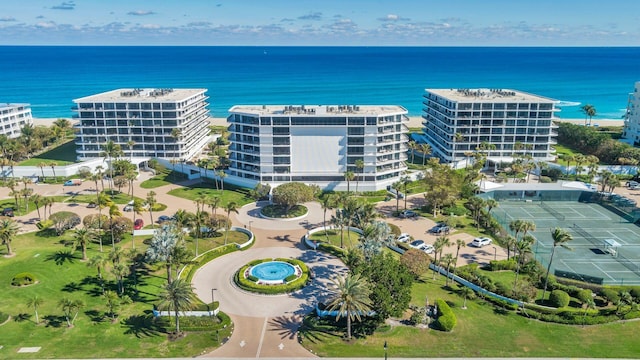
x,y
14,117
164,123
317,145
457,121
631,132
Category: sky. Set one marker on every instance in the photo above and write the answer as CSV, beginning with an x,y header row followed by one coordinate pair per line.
x,y
321,22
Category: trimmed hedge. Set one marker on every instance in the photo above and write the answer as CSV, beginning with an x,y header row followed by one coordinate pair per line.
x,y
446,318
497,265
23,279
195,323
249,283
44,224
559,298
584,295
610,295
333,250
190,269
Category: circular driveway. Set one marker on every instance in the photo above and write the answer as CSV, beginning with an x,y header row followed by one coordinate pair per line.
x,y
218,275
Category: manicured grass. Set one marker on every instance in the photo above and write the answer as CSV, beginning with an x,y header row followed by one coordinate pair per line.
x,y
206,244
280,212
351,238
62,274
482,331
163,178
238,195
64,154
22,210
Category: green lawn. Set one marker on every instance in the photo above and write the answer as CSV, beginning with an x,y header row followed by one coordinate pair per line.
x,y
60,274
482,331
239,195
350,237
163,178
64,154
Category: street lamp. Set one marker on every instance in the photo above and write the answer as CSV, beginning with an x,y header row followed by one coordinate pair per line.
x,y
213,299
495,253
250,222
385,350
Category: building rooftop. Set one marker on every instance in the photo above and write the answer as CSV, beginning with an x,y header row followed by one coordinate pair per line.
x,y
142,95
489,95
7,105
330,110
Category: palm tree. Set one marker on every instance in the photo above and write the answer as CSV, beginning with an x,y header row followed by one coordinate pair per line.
x,y
439,245
459,244
448,259
177,296
35,302
412,147
589,111
425,149
222,175
37,200
229,208
8,230
350,297
80,238
151,201
53,165
70,307
112,302
213,203
588,305
98,262
114,211
349,176
360,166
523,246
42,165
467,293
327,204
560,238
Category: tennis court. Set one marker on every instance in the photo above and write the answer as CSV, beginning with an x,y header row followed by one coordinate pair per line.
x,y
590,225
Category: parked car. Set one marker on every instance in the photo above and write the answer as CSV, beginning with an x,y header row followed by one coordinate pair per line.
x,y
440,228
8,212
632,184
138,224
73,182
481,241
128,208
408,214
417,244
163,218
92,205
428,248
404,237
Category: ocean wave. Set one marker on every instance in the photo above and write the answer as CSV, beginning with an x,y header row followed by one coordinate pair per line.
x,y
567,103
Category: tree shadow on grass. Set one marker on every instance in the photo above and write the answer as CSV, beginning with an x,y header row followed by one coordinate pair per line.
x,y
72,287
54,321
142,326
22,317
95,316
60,257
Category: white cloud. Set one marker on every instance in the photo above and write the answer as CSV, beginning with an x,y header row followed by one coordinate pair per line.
x,y
141,13
393,17
7,19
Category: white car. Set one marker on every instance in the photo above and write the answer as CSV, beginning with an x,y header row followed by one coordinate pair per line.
x,y
417,244
404,237
428,248
481,241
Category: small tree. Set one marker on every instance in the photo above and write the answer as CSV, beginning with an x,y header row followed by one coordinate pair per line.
x,y
64,220
35,302
70,309
8,230
290,194
350,297
416,261
177,296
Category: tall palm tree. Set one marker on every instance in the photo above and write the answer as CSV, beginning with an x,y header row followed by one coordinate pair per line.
x,y
37,200
81,237
438,246
110,150
53,165
448,259
350,297
560,238
177,296
114,211
523,246
151,201
8,230
425,149
327,204
229,208
214,203
589,112
35,302
222,175
349,176
588,305
42,165
459,244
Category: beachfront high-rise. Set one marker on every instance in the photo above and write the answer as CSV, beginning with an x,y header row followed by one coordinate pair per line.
x,y
631,131
14,117
164,123
457,121
317,145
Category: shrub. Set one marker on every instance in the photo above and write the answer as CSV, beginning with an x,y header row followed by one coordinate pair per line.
x,y
64,220
446,318
559,298
290,278
3,317
610,295
23,279
44,224
545,179
496,265
455,210
584,295
635,292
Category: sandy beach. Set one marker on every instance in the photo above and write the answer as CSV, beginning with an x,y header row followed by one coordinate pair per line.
x,y
414,121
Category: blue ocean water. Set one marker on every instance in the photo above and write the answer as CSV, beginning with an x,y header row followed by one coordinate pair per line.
x,y
50,77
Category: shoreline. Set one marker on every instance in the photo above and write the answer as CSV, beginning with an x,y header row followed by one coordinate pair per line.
x,y
414,121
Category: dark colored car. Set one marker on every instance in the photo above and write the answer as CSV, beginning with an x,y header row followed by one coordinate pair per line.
x,y
8,212
164,218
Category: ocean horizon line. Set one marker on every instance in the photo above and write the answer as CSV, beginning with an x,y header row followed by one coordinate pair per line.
x,y
335,46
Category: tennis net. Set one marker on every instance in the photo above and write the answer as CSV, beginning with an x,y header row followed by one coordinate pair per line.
x,y
552,211
585,234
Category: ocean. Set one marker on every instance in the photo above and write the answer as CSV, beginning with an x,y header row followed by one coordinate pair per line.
x,y
50,77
